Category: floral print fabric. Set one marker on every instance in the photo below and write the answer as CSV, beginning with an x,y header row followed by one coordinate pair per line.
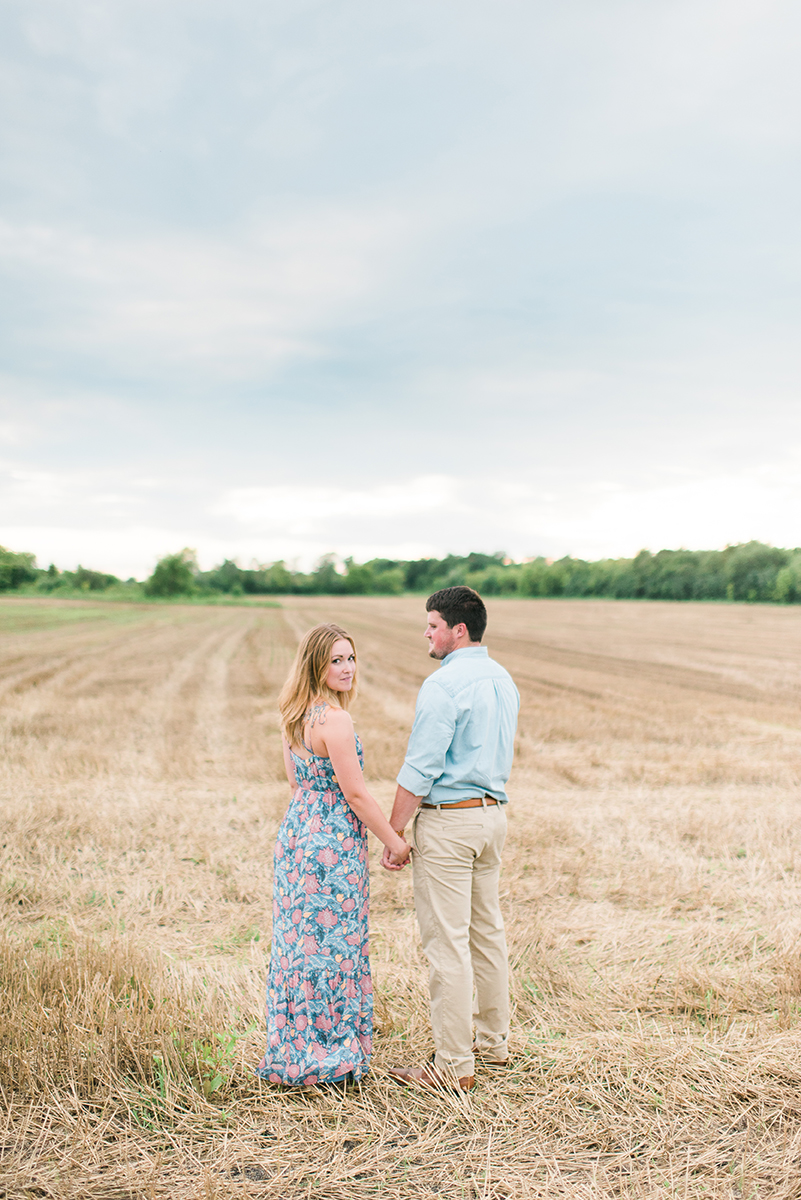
x,y
319,991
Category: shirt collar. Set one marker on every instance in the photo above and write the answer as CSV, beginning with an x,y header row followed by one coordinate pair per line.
x,y
471,651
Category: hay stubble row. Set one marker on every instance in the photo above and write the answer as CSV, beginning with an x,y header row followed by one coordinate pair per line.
x,y
652,888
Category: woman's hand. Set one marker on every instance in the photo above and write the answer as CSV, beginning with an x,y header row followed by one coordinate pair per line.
x,y
396,862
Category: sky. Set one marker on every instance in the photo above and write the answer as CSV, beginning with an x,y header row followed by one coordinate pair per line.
x,y
281,278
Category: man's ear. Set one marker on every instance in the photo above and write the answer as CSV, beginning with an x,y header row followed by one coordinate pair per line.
x,y
459,629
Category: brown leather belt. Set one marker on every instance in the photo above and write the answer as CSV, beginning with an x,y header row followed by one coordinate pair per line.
x,y
472,803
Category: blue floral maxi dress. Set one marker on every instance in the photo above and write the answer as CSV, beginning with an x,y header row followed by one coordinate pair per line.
x,y
319,990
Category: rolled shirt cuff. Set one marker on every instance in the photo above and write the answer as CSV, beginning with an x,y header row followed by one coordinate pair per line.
x,y
414,781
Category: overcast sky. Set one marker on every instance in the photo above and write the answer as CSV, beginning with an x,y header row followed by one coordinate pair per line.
x,y
283,277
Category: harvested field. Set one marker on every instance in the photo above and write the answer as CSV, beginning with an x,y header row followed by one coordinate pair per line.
x,y
652,888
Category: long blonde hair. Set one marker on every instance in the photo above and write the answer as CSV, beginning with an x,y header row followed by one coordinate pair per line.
x,y
307,680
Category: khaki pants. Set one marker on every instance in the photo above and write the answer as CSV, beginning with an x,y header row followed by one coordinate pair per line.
x,y
456,868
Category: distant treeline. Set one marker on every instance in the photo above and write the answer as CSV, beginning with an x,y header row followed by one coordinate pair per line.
x,y
19,571
751,571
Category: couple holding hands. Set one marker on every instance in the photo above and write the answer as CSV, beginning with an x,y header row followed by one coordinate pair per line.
x,y
451,789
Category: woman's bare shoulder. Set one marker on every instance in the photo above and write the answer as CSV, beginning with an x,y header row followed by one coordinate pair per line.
x,y
337,722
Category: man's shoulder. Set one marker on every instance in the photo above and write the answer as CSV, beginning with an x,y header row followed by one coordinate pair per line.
x,y
468,671
495,668
435,684
482,666
498,675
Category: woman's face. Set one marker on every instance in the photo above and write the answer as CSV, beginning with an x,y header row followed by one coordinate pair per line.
x,y
342,667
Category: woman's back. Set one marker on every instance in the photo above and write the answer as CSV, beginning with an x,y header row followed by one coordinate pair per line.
x,y
312,766
316,771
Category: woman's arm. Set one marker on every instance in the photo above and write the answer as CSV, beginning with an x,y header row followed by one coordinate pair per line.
x,y
288,767
340,746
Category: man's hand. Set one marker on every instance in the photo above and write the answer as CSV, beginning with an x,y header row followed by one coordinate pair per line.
x,y
395,862
402,811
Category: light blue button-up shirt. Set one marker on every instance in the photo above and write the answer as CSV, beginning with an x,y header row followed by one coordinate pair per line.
x,y
462,740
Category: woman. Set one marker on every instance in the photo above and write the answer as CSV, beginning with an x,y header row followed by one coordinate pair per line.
x,y
319,992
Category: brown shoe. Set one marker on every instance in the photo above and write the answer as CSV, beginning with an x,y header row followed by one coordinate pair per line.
x,y
492,1063
430,1077
483,1059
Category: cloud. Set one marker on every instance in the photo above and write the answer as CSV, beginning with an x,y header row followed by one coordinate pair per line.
x,y
763,504
121,552
450,514
229,309
10,433
536,267
125,531
300,510
132,549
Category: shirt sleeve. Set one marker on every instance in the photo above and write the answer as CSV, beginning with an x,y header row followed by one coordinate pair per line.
x,y
429,741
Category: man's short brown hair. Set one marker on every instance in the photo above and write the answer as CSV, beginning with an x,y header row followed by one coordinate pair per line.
x,y
460,605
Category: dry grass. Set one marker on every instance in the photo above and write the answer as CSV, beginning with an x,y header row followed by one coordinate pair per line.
x,y
652,886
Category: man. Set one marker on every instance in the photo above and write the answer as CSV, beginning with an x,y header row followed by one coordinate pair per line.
x,y
457,763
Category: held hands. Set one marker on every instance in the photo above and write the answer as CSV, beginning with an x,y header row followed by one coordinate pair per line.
x,y
396,862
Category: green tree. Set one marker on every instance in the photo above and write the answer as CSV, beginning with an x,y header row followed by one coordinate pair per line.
x,y
174,575
89,581
358,579
532,578
788,581
275,578
388,582
751,570
227,577
16,569
325,577
494,581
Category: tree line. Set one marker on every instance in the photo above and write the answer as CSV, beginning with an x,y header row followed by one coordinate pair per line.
x,y
751,571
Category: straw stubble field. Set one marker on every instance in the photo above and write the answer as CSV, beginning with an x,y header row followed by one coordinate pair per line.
x,y
652,886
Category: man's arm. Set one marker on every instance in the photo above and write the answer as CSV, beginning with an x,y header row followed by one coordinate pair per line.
x,y
429,740
431,735
403,810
